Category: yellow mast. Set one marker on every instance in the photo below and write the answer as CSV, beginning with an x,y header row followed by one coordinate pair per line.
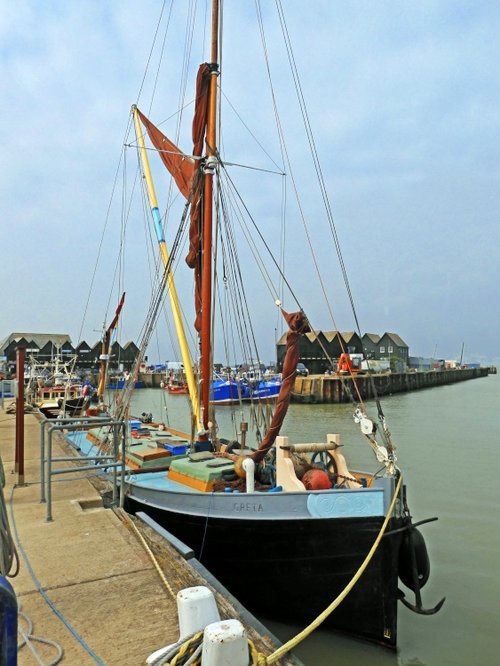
x,y
172,292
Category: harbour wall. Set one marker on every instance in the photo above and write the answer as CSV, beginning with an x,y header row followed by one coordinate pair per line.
x,y
338,389
152,379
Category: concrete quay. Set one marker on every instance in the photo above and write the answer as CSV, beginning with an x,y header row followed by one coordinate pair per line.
x,y
339,389
86,584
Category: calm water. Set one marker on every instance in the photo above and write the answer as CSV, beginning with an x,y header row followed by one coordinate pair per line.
x,y
448,449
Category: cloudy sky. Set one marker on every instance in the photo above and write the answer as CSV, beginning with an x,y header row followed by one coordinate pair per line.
x,y
403,98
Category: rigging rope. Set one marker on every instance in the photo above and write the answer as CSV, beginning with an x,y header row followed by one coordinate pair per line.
x,y
154,309
338,600
324,195
28,638
127,519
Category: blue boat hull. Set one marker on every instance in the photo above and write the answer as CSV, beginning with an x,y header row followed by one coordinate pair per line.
x,y
232,391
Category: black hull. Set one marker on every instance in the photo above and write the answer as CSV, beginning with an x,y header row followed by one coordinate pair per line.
x,y
293,569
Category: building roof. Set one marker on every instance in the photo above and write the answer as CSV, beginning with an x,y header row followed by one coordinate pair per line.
x,y
312,335
399,342
348,335
40,339
130,343
373,337
328,335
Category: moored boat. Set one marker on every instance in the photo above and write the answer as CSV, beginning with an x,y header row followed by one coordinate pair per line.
x,y
288,527
54,388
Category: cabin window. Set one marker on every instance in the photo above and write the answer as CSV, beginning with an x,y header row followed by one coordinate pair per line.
x,y
390,349
382,350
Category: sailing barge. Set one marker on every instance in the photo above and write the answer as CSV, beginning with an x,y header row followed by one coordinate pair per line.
x,y
286,527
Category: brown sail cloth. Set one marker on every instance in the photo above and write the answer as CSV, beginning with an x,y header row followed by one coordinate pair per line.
x,y
298,324
181,167
193,258
187,174
105,347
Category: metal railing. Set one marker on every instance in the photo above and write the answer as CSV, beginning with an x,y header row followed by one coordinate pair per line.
x,y
114,460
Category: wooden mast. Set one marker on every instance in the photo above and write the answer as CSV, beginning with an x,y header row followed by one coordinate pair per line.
x,y
105,350
210,164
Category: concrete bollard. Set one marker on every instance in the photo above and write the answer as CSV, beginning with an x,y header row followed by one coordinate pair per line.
x,y
225,644
196,608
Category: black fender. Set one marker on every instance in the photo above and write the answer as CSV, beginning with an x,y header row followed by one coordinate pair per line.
x,y
413,540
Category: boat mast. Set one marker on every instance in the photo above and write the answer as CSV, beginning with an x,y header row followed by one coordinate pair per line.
x,y
172,292
105,350
209,169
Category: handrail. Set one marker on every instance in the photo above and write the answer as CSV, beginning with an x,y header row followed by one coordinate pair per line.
x,y
104,461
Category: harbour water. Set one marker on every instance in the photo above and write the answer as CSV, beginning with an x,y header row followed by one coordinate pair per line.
x,y
447,442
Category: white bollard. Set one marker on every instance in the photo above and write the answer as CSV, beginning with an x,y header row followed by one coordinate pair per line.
x,y
196,608
225,644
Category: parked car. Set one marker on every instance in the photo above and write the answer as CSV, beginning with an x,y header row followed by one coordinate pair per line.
x,y
302,370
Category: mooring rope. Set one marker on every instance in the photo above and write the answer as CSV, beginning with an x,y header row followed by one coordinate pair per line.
x,y
129,521
188,651
293,642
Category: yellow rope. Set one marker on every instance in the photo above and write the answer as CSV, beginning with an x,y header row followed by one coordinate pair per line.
x,y
190,646
293,642
151,555
259,659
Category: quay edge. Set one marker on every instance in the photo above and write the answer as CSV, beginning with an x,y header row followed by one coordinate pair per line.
x,y
337,389
88,562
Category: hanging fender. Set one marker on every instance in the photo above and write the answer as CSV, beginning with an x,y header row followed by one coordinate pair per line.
x,y
413,540
414,566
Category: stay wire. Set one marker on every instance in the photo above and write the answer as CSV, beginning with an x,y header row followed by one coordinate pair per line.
x,y
314,153
263,240
241,302
324,194
115,181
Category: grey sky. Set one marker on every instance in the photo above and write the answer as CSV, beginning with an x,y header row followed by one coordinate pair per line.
x,y
404,102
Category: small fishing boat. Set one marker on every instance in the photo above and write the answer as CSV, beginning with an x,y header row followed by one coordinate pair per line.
x,y
177,387
53,387
175,383
234,391
228,391
118,382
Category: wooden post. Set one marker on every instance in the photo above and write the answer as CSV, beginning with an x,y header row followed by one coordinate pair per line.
x,y
19,459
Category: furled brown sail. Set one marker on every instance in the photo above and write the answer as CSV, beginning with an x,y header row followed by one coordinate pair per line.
x,y
298,324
